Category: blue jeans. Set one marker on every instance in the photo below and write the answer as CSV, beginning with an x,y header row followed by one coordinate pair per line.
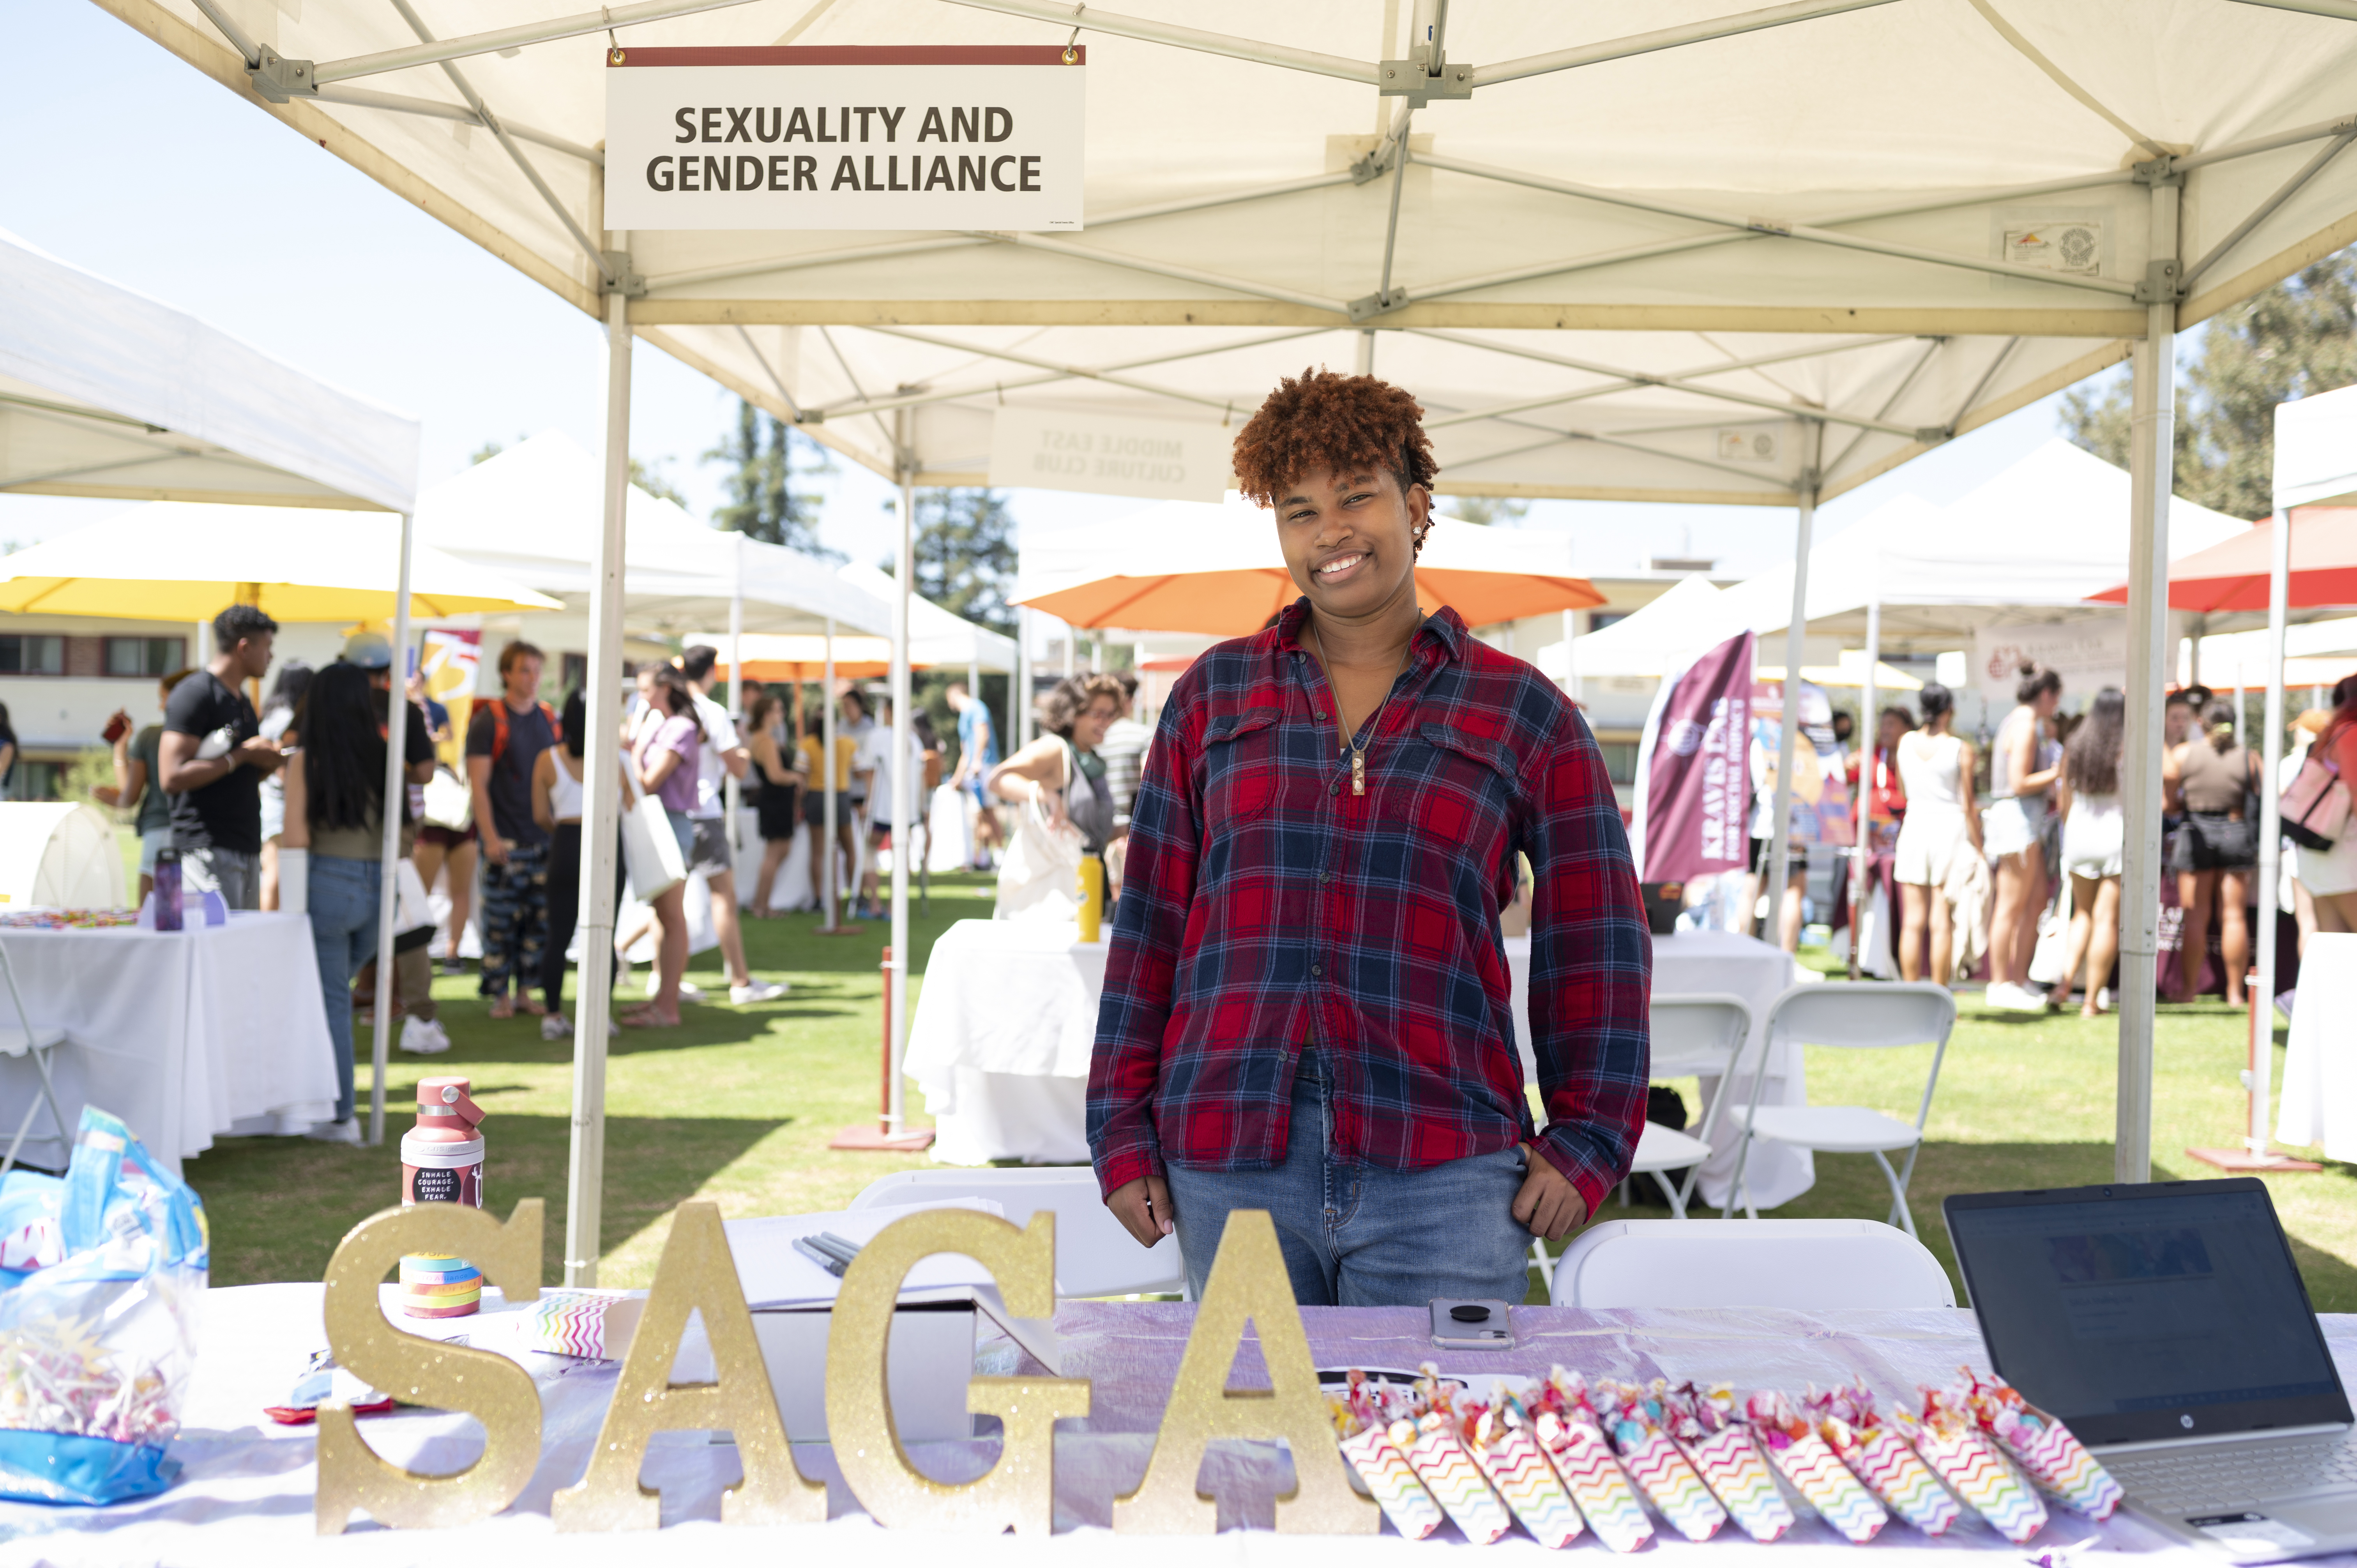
x,y
1357,1235
343,932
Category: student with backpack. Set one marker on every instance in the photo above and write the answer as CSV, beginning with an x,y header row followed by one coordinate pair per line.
x,y
504,740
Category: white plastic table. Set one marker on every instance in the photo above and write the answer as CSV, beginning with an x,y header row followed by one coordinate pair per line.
x,y
188,1036
2319,1088
246,1494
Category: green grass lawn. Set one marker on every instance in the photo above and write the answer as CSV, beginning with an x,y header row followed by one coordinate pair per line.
x,y
738,1103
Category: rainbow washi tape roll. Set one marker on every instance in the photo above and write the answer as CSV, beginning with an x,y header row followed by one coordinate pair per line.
x,y
1393,1482
440,1287
1449,1472
1593,1478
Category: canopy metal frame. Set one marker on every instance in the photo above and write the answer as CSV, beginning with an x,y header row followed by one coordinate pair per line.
x,y
2143,316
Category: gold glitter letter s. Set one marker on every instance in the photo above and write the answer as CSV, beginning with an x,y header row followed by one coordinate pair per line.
x,y
1248,1283
492,1389
697,1274
1019,1491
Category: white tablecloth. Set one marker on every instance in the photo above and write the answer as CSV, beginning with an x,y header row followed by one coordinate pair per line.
x,y
1001,1038
185,1035
1692,963
2320,1089
246,1494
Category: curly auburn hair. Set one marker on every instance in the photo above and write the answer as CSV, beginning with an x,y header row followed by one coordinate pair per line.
x,y
1060,708
1324,420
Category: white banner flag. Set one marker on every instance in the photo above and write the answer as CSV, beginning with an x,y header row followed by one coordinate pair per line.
x,y
1163,460
844,139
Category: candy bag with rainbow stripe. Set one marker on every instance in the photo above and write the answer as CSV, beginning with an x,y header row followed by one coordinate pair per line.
x,y
2044,1447
1502,1443
1632,1419
1878,1455
1948,1437
1565,1424
1815,1471
1705,1427
1360,1422
1428,1438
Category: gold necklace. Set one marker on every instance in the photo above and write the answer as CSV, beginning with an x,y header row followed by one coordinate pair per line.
x,y
1358,754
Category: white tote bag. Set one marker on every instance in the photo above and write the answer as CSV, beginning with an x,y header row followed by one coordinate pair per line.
x,y
650,850
1039,879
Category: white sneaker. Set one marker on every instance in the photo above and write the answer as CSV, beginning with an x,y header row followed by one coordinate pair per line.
x,y
423,1037
556,1026
2014,998
346,1131
687,993
756,991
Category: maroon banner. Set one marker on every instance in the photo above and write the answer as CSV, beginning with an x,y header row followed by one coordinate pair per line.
x,y
1696,781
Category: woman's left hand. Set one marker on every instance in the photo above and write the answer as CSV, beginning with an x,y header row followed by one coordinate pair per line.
x,y
1547,1206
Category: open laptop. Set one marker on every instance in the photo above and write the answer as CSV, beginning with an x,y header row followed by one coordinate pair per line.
x,y
2166,1325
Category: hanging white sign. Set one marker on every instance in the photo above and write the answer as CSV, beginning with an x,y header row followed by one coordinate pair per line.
x,y
844,139
1164,460
2089,654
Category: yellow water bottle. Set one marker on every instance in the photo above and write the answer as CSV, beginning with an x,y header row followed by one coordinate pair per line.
x,y
1092,898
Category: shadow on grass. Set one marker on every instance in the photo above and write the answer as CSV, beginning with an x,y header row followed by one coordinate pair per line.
x,y
278,1206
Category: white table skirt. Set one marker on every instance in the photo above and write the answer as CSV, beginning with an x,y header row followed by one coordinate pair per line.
x,y
246,1494
187,1035
1001,1038
2320,1089
1692,963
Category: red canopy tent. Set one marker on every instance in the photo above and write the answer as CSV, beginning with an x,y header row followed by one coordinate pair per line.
x,y
2234,576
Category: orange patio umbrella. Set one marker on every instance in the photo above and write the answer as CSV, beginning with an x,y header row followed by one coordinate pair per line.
x,y
775,656
1217,570
2234,576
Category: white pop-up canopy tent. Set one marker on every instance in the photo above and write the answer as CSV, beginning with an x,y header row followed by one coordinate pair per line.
x,y
107,393
1695,280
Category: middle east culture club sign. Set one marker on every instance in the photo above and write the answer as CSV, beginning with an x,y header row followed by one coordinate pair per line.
x,y
844,139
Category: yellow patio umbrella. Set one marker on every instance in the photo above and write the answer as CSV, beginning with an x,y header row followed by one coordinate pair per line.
x,y
187,561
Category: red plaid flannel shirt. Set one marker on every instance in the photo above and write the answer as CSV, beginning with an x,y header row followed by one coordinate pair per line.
x,y
1264,903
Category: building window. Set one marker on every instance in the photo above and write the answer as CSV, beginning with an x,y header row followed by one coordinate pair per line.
x,y
37,780
32,655
1598,620
1619,761
155,657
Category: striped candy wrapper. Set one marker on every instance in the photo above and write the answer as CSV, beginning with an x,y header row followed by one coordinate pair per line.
x,y
1670,1483
1511,1457
1893,1471
2045,1447
1977,1473
1593,1478
1447,1471
1388,1475
1818,1475
1730,1465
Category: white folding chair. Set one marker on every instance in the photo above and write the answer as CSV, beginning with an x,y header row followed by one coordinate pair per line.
x,y
27,1038
1806,1265
1860,1016
1094,1256
1699,1036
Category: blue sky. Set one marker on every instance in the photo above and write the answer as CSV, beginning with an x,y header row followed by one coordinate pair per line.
x,y
183,192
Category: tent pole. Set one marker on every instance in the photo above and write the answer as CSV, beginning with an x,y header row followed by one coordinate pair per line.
x,y
1020,696
1869,734
2263,996
1789,727
2151,467
732,791
1570,648
396,796
601,816
826,773
904,787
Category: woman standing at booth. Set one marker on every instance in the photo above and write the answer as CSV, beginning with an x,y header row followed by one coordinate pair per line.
x,y
1307,1007
1942,818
